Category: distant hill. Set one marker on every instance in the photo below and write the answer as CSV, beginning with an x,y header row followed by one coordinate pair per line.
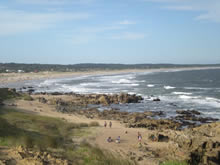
x,y
20,67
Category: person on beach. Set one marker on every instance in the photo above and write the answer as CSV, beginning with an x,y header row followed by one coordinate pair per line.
x,y
105,124
139,138
118,140
109,139
110,124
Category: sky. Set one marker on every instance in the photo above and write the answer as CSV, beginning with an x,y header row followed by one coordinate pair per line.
x,y
110,31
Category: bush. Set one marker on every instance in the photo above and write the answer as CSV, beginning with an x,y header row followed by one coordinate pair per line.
x,y
7,93
26,141
174,163
51,142
94,124
83,125
27,97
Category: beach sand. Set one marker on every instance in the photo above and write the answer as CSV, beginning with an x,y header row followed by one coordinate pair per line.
x,y
129,145
20,77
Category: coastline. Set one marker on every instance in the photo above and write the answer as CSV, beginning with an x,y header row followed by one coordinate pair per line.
x,y
162,139
158,144
20,77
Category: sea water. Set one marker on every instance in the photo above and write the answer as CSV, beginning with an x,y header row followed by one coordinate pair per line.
x,y
177,89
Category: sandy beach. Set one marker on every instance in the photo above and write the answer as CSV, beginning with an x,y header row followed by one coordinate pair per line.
x,y
20,77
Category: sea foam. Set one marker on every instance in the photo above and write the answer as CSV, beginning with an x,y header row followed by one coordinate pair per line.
x,y
181,93
169,87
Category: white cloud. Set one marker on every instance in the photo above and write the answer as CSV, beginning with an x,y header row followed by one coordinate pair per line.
x,y
16,21
183,8
127,22
208,9
128,36
54,2
100,29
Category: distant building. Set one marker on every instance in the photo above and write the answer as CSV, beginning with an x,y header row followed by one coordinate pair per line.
x,y
20,71
9,71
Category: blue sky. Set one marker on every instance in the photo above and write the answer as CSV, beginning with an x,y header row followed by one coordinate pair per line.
x,y
110,31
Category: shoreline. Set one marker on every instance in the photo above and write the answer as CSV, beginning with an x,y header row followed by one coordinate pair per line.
x,y
161,139
22,77
158,144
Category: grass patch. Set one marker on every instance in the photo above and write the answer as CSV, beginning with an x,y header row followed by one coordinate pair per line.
x,y
31,131
6,93
174,163
52,135
89,155
26,97
94,124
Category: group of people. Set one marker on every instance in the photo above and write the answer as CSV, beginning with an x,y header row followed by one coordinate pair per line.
x,y
110,124
118,139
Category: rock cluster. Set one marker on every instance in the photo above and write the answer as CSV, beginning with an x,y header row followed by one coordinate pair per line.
x,y
104,99
199,146
192,118
24,156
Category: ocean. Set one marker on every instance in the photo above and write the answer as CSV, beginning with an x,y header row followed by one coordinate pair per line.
x,y
177,89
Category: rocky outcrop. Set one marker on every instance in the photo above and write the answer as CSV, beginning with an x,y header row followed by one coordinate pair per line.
x,y
95,99
188,112
24,156
191,117
207,153
200,145
153,124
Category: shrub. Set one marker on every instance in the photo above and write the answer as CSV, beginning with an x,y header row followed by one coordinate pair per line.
x,y
174,163
27,97
51,142
83,125
94,124
26,141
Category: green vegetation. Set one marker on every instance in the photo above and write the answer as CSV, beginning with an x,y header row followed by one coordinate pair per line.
x,y
26,97
6,93
53,136
32,131
94,124
49,134
174,163
14,67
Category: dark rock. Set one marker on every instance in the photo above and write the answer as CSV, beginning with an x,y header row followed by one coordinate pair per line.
x,y
188,112
207,153
30,91
173,104
152,124
42,100
156,99
140,158
56,93
162,138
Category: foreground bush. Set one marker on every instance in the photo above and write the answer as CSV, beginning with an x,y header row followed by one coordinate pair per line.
x,y
174,163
